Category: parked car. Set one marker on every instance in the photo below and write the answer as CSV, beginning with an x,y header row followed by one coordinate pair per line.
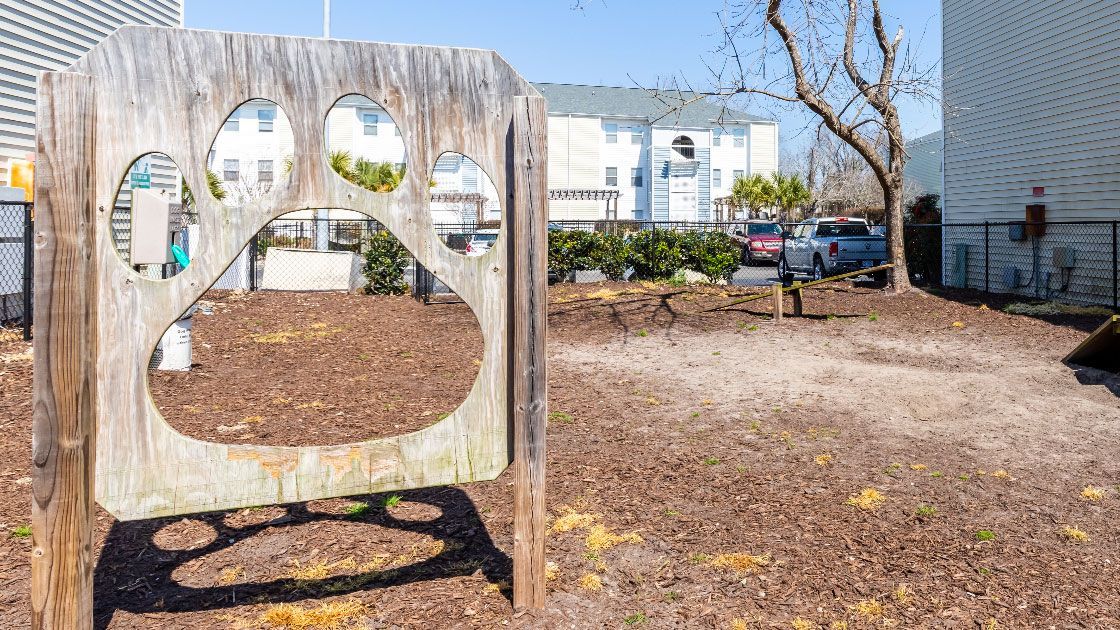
x,y
481,242
830,246
759,241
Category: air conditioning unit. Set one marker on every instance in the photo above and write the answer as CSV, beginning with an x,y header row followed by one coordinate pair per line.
x,y
1065,257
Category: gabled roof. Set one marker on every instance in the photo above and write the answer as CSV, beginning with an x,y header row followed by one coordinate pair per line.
x,y
655,107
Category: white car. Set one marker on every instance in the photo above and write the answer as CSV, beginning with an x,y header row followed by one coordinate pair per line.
x,y
481,242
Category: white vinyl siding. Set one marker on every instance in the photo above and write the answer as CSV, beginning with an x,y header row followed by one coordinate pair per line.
x,y
1033,85
574,162
50,35
763,149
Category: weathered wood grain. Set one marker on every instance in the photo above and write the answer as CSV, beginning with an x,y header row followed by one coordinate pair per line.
x,y
66,345
528,225
132,102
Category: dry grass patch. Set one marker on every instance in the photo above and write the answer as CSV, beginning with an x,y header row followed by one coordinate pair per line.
x,y
591,582
869,609
1092,493
328,616
321,570
801,624
230,575
1074,534
918,467
869,500
1003,474
740,562
601,538
570,519
823,459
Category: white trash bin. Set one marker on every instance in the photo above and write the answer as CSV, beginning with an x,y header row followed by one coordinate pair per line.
x,y
173,352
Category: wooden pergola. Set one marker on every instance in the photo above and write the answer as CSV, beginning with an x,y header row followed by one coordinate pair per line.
x,y
588,194
478,199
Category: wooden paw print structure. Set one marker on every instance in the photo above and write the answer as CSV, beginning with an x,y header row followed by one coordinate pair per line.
x,y
97,433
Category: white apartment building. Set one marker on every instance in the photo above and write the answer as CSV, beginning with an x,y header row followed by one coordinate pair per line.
x,y
663,165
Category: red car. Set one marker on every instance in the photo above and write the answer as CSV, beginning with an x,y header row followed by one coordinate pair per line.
x,y
760,241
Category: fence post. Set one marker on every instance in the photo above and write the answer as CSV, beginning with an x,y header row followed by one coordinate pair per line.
x,y
987,258
254,249
28,268
1115,269
776,292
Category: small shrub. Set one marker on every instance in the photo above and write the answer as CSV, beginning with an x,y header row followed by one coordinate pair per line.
x,y
636,619
560,416
655,254
570,250
358,509
712,254
711,461
642,332
925,510
985,535
1092,493
385,262
591,582
610,254
391,501
21,532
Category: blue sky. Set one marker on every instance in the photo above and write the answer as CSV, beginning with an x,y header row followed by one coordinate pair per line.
x,y
611,42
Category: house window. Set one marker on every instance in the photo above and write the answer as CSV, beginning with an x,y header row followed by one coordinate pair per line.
x,y
233,123
612,176
736,175
369,124
717,178
637,136
740,138
636,177
717,137
264,171
264,119
683,146
612,133
231,170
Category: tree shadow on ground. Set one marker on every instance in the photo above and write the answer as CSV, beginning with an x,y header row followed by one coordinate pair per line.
x,y
135,575
648,309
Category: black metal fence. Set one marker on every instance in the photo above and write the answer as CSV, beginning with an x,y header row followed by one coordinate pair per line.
x,y
16,235
1075,262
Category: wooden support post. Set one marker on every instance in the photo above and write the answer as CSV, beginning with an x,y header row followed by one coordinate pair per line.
x,y
527,216
64,392
776,290
798,305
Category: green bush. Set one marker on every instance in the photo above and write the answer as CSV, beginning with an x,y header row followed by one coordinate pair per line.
x,y
570,250
611,255
655,254
386,259
711,254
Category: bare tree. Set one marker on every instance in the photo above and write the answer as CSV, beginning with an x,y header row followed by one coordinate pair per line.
x,y
839,61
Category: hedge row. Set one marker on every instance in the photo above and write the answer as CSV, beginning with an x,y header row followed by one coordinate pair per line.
x,y
655,254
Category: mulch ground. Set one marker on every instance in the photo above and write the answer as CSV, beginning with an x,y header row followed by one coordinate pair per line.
x,y
670,429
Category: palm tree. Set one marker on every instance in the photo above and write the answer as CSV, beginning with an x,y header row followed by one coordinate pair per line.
x,y
753,193
213,184
377,176
790,193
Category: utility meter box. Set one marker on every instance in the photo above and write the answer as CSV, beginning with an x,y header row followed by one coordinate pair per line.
x,y
1065,257
1016,232
152,234
1036,220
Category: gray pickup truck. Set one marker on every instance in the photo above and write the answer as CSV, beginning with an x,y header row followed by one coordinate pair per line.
x,y
830,246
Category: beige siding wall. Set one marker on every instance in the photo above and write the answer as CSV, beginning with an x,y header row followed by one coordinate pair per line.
x,y
764,148
1032,88
37,35
573,162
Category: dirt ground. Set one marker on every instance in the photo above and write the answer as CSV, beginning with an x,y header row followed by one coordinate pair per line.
x,y
917,461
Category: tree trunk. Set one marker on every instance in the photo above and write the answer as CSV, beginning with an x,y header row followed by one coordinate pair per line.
x,y
896,242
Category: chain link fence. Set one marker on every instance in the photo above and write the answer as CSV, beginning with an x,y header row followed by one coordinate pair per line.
x,y
16,229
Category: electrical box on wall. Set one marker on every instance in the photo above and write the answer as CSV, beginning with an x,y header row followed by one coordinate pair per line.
x,y
151,228
1016,231
1036,220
